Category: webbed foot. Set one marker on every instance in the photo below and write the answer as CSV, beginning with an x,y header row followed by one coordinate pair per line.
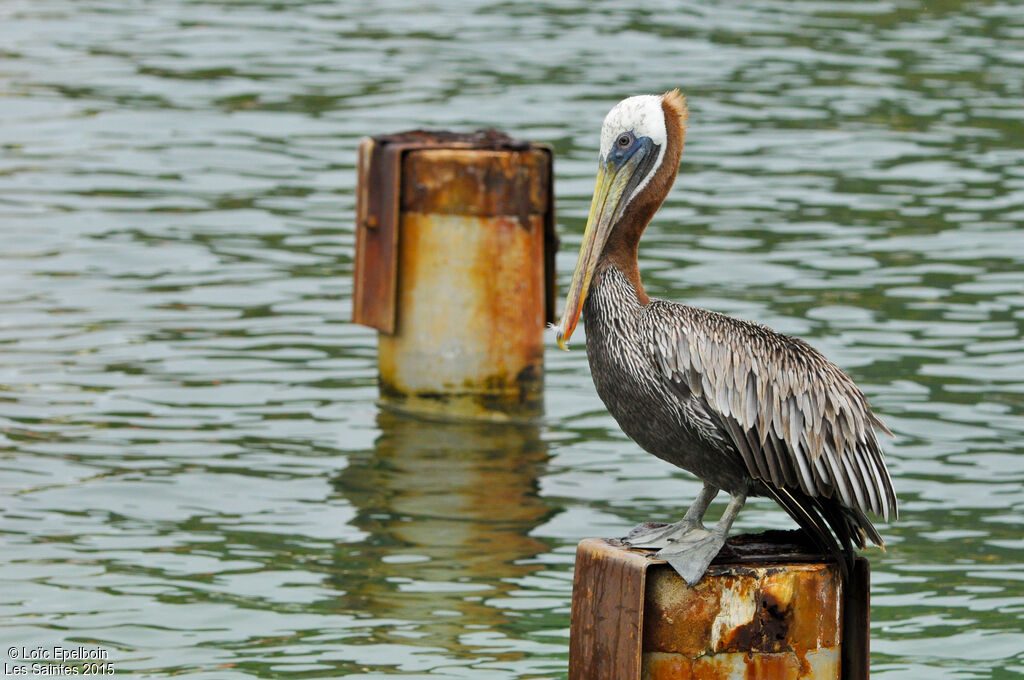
x,y
691,557
649,535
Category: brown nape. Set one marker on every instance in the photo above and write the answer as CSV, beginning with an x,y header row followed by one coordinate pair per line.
x,y
621,247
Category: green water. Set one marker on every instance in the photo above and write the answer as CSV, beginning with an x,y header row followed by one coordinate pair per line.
x,y
193,473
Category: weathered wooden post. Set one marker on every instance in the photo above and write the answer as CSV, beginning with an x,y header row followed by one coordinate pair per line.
x,y
766,609
454,267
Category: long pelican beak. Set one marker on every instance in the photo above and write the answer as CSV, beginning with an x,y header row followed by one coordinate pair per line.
x,y
605,210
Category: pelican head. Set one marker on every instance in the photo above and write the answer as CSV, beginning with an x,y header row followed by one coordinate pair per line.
x,y
641,141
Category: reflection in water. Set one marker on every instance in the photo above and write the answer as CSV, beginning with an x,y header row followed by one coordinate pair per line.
x,y
448,509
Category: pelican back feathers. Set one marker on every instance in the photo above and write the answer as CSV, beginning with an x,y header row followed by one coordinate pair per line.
x,y
800,424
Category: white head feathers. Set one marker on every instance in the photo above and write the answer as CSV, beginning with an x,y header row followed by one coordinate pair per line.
x,y
643,116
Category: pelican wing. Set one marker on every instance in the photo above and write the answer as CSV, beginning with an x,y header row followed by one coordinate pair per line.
x,y
799,423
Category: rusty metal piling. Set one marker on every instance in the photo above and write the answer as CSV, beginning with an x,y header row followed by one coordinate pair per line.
x,y
766,609
454,267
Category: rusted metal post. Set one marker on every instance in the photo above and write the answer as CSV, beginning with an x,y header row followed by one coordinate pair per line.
x,y
766,609
454,267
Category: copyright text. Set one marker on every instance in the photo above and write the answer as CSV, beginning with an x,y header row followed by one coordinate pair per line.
x,y
57,660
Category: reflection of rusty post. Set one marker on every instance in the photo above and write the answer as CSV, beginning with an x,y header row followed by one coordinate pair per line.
x,y
454,267
458,498
765,609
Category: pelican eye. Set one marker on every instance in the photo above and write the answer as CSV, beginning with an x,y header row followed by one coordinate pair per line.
x,y
624,141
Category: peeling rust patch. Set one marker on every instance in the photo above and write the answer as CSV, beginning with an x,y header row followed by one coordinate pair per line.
x,y
678,619
469,313
767,630
475,182
771,666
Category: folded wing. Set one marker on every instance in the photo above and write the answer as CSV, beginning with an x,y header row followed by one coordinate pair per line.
x,y
799,423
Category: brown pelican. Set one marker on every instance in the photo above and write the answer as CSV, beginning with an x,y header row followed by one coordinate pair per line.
x,y
747,410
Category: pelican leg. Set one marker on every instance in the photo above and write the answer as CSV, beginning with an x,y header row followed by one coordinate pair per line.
x,y
646,536
690,557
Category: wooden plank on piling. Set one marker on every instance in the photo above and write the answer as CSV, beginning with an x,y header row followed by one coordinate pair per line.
x,y
607,612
